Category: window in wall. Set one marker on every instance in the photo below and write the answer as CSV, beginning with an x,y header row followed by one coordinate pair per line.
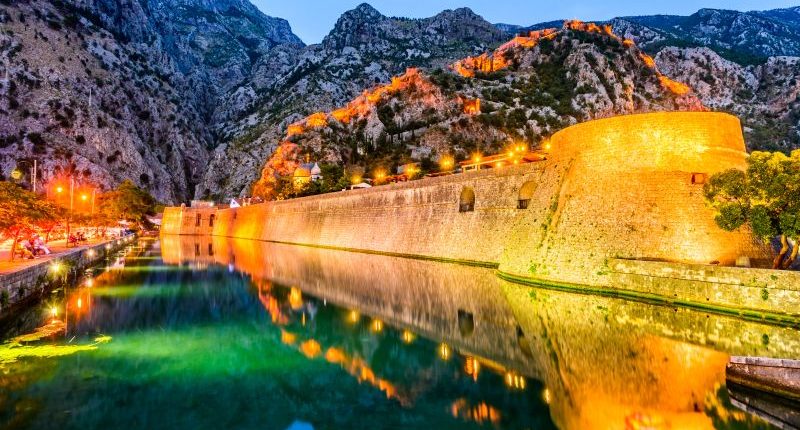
x,y
698,178
467,200
466,323
211,220
525,194
197,221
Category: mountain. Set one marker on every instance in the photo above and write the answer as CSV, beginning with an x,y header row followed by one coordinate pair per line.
x,y
739,62
194,98
363,49
764,96
742,36
107,90
524,90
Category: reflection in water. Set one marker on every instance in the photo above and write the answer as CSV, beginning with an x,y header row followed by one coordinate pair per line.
x,y
606,363
243,334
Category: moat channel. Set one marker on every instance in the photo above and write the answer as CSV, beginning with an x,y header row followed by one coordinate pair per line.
x,y
202,333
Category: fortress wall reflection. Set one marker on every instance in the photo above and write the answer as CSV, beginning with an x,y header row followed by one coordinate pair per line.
x,y
606,363
456,304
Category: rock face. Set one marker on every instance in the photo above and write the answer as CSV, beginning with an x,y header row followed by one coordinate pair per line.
x,y
764,96
189,98
107,90
525,90
364,48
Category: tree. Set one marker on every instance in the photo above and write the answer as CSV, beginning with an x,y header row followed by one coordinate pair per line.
x,y
766,197
128,202
21,211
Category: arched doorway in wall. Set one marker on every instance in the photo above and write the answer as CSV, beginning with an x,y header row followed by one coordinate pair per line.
x,y
466,202
525,194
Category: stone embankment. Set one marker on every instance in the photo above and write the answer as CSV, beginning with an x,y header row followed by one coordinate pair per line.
x,y
19,286
616,208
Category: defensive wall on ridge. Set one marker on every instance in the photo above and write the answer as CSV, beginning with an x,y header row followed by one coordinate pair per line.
x,y
622,188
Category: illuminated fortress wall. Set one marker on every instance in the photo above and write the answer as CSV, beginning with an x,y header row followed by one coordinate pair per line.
x,y
632,187
623,187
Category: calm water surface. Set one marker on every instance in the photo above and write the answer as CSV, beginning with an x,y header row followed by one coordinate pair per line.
x,y
211,334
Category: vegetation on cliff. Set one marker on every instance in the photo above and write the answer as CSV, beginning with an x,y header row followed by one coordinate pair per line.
x,y
518,94
765,197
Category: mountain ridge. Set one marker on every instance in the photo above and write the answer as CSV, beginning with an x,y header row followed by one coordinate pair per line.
x,y
190,98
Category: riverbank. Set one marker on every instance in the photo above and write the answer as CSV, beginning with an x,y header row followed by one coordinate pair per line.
x,y
25,280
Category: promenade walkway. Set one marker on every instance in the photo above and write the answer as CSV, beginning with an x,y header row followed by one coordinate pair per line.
x,y
58,249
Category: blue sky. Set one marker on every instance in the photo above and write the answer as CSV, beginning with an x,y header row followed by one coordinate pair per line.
x,y
313,19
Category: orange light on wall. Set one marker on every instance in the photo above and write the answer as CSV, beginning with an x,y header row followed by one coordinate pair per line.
x,y
446,163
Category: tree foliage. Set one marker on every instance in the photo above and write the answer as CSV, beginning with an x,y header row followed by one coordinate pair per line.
x,y
127,202
22,211
766,197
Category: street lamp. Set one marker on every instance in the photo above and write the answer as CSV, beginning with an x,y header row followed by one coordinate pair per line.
x,y
16,174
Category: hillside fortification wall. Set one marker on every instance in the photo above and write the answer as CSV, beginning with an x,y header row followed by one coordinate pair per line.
x,y
628,187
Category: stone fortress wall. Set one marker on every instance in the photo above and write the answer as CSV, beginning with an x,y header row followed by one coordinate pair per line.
x,y
627,187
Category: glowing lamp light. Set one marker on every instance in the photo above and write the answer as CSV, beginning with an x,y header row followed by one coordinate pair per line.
x,y
546,396
408,337
353,317
54,311
355,179
16,174
444,352
59,189
498,164
446,163
108,246
377,326
55,267
476,158
90,283
90,253
515,381
84,197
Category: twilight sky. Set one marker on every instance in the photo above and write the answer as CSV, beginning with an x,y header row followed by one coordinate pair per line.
x,y
313,19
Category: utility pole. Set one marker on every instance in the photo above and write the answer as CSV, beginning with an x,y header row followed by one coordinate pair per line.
x,y
33,176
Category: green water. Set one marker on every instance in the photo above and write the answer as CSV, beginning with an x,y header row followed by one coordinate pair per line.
x,y
330,340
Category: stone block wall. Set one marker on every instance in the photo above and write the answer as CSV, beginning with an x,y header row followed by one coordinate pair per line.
x,y
20,285
625,187
736,287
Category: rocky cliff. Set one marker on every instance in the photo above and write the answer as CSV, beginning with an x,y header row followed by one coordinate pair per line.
x,y
190,98
108,90
523,91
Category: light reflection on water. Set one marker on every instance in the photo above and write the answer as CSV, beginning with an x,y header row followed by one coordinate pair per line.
x,y
243,334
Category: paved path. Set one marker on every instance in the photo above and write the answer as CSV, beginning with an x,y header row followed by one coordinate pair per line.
x,y
58,249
